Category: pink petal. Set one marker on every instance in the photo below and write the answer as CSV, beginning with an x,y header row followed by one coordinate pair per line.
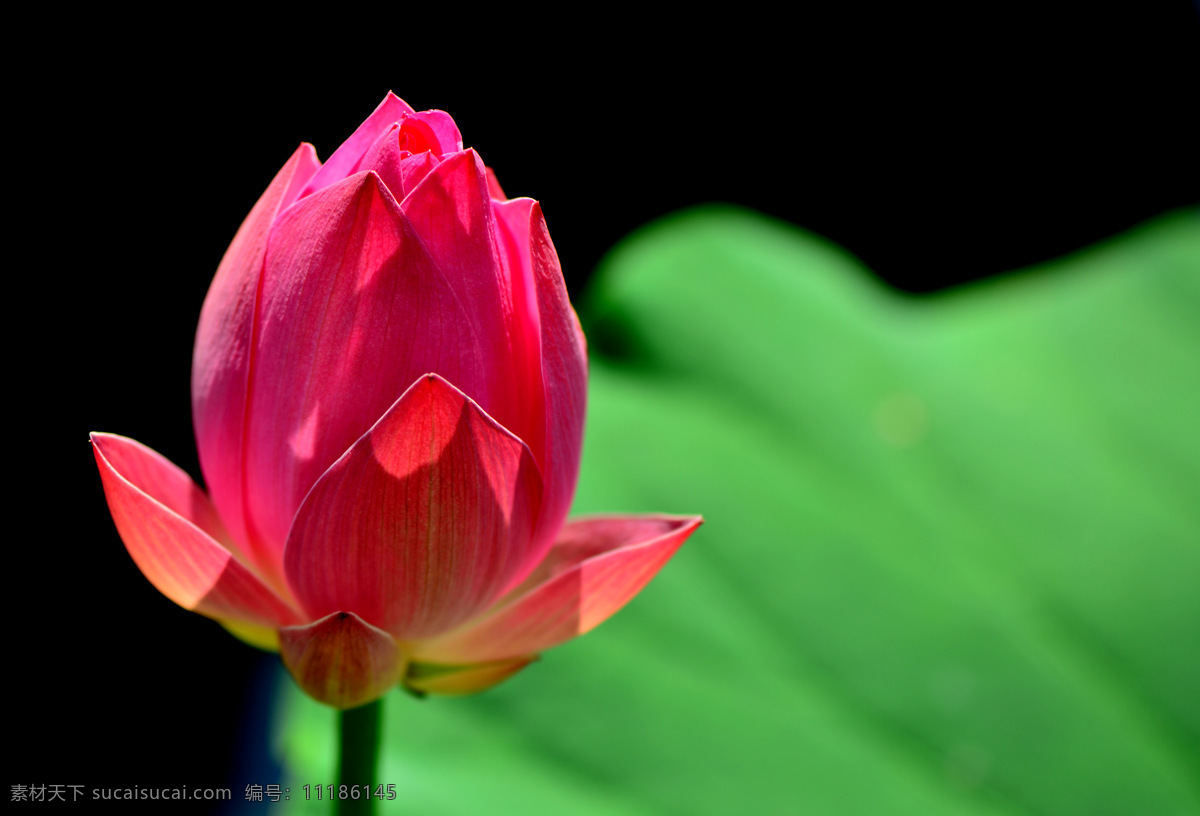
x,y
546,332
596,566
352,309
434,679
423,522
341,660
221,360
564,374
452,211
512,232
404,154
345,160
494,188
384,158
414,168
172,533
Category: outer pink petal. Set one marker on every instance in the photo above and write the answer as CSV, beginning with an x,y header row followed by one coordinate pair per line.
x,y
596,566
341,660
221,360
512,231
345,160
453,212
423,522
171,532
352,309
564,374
547,334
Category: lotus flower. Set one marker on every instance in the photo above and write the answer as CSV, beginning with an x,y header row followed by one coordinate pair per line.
x,y
388,394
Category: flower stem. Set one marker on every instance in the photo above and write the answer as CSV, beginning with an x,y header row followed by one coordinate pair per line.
x,y
359,755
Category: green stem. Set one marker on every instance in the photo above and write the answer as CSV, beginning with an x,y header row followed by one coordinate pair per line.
x,y
358,758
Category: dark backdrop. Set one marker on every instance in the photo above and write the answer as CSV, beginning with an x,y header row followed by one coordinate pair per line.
x,y
938,148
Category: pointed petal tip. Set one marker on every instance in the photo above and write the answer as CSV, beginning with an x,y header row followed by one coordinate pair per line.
x,y
434,386
367,519
372,177
308,151
393,98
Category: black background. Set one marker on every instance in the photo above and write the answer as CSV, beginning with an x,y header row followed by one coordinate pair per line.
x,y
938,147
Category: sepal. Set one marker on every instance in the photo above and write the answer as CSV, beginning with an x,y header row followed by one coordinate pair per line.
x,y
341,660
432,678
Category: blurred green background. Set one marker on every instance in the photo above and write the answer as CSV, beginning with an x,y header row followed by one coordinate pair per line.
x,y
949,565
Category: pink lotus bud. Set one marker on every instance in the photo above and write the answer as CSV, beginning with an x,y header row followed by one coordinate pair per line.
x,y
388,391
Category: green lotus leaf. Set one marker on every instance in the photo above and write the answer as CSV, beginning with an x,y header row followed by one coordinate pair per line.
x,y
950,561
